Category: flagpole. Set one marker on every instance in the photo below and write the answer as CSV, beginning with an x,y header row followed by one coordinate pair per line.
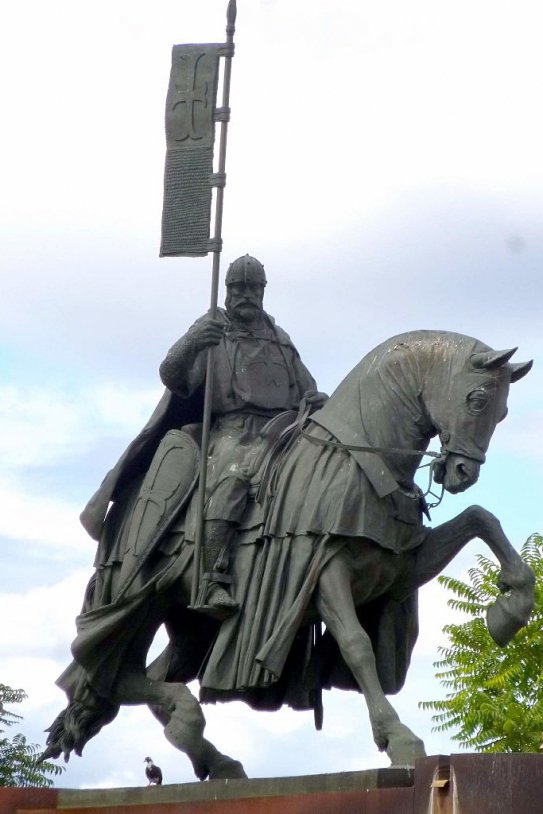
x,y
223,115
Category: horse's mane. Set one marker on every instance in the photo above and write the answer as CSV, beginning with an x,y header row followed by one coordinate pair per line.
x,y
400,365
426,343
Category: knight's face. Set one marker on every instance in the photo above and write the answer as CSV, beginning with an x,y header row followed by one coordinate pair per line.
x,y
244,301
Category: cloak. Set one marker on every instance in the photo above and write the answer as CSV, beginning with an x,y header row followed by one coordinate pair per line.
x,y
171,412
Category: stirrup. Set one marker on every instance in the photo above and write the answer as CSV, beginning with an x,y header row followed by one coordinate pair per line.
x,y
202,605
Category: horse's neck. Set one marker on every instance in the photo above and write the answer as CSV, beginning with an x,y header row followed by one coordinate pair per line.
x,y
393,417
402,433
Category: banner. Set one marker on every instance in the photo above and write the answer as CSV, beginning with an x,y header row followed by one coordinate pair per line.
x,y
190,135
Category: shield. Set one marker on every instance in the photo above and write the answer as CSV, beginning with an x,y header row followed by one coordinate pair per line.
x,y
168,484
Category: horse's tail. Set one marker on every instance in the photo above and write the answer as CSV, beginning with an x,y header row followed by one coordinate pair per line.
x,y
73,728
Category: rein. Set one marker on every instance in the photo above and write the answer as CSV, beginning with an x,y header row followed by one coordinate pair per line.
x,y
437,456
354,448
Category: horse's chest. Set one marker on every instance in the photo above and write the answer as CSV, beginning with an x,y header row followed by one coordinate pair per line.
x,y
375,571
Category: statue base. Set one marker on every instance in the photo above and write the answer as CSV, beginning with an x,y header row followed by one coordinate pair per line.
x,y
442,784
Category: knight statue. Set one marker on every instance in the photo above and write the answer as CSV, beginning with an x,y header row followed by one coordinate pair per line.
x,y
257,375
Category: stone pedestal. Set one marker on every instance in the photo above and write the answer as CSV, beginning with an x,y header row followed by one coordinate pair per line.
x,y
369,792
456,784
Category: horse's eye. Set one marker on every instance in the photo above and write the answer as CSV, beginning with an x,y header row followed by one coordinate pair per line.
x,y
477,401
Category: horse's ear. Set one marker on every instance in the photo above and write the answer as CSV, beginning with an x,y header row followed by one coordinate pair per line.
x,y
491,359
520,370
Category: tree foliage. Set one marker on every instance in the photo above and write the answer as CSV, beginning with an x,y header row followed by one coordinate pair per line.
x,y
18,759
494,699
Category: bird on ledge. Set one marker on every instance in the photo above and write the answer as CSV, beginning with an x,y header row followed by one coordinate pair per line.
x,y
153,773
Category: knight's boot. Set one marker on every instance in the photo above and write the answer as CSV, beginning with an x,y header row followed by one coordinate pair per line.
x,y
213,596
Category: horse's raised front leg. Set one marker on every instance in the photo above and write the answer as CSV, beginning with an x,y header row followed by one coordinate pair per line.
x,y
336,607
511,611
180,713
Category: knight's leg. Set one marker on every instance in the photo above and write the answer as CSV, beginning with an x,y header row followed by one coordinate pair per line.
x,y
336,608
509,613
213,597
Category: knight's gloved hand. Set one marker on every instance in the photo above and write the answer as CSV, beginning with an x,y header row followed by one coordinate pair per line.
x,y
206,333
315,399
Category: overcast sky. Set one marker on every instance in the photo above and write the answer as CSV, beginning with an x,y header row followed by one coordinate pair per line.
x,y
384,162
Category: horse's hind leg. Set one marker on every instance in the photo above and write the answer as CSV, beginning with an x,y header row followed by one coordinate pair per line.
x,y
509,613
173,704
206,759
336,608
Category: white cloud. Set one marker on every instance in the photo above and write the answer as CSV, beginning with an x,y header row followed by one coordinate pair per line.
x,y
122,410
42,622
38,424
434,614
36,675
53,523
47,425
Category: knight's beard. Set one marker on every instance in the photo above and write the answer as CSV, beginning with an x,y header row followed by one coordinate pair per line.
x,y
245,314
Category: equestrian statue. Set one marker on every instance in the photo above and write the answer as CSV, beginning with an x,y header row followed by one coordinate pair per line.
x,y
314,545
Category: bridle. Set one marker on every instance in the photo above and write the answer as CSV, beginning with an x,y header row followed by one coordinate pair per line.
x,y
438,458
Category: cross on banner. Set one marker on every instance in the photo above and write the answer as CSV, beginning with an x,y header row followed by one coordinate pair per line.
x,y
190,90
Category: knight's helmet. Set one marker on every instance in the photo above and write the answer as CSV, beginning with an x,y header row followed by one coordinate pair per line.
x,y
246,269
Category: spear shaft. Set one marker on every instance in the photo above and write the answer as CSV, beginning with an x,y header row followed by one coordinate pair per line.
x,y
217,241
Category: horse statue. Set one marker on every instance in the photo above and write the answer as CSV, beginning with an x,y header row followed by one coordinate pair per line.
x,y
333,536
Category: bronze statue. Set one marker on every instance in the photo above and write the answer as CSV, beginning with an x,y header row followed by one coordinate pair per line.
x,y
329,529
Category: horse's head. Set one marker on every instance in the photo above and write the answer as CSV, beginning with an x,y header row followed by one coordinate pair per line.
x,y
465,407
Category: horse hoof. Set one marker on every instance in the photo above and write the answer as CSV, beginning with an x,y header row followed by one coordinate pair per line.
x,y
227,769
404,748
508,615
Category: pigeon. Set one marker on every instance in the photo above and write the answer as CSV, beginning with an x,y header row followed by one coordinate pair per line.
x,y
153,773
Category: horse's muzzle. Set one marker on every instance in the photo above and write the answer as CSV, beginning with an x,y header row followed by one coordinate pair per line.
x,y
457,472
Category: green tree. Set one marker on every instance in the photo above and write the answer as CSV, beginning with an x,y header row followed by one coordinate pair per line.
x,y
18,759
494,699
